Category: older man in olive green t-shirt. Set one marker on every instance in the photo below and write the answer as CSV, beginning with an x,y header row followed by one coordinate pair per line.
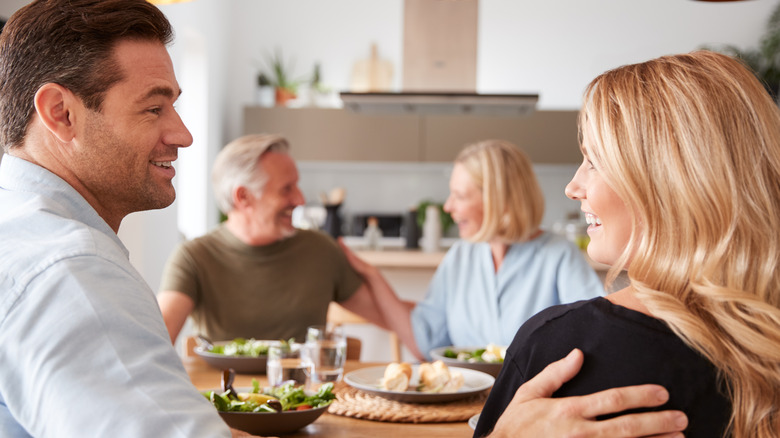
x,y
256,275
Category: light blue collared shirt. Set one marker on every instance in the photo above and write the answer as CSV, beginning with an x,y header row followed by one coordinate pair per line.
x,y
469,304
83,347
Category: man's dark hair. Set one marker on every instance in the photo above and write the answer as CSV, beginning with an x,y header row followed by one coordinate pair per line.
x,y
70,43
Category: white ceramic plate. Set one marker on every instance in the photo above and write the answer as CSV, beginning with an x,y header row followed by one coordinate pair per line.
x,y
240,364
473,422
369,380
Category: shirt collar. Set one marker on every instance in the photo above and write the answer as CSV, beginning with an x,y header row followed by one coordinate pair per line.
x,y
17,174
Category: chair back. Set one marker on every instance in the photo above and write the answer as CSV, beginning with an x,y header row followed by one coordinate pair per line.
x,y
338,315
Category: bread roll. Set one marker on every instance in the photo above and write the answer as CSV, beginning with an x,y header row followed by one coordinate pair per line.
x,y
433,377
455,382
397,376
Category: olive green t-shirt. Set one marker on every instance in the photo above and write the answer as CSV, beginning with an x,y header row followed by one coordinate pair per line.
x,y
273,291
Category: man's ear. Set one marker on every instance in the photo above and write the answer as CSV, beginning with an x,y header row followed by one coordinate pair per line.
x,y
241,196
55,107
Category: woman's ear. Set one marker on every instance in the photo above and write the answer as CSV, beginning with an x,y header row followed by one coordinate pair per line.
x,y
54,105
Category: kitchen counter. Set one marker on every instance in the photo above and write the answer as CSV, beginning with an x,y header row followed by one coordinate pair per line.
x,y
395,256
393,253
401,258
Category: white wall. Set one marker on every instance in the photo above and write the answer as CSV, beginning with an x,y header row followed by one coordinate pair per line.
x,y
8,7
557,47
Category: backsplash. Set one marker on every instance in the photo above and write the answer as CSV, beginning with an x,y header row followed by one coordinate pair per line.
x,y
374,187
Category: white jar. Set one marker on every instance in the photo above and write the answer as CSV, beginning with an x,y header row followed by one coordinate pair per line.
x,y
431,229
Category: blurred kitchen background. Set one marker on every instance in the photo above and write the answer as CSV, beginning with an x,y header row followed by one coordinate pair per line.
x,y
550,49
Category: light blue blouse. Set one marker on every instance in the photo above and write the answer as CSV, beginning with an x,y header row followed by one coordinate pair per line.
x,y
83,347
469,304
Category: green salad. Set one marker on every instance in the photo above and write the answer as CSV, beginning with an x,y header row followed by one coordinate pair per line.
x,y
246,347
490,354
287,397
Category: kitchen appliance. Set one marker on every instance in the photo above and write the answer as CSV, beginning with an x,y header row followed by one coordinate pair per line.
x,y
332,224
412,230
441,103
389,224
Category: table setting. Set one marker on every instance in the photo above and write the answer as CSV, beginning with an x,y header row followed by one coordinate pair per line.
x,y
362,406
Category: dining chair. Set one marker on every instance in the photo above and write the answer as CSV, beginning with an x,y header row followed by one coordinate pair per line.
x,y
189,346
354,346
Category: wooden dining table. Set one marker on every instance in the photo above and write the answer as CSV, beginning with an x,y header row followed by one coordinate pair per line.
x,y
204,377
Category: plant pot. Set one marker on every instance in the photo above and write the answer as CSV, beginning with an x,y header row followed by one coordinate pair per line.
x,y
266,96
284,95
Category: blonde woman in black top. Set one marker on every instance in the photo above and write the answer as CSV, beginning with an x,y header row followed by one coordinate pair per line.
x,y
681,185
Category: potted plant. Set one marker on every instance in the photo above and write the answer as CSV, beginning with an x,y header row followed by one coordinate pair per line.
x,y
280,78
263,81
266,96
765,59
320,93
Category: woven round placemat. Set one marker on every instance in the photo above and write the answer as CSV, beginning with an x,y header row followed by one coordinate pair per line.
x,y
352,402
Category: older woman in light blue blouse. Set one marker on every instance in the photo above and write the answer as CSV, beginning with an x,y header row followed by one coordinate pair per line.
x,y
504,270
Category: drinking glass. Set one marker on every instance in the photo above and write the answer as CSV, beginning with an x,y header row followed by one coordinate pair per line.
x,y
326,350
287,363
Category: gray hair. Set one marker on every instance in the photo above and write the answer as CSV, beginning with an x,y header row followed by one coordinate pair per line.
x,y
237,166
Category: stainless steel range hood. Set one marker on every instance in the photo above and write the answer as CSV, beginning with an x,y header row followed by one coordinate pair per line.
x,y
441,103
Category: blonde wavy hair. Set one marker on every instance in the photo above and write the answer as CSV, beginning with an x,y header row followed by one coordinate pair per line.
x,y
236,166
691,143
512,200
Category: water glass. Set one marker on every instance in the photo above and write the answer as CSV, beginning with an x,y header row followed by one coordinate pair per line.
x,y
326,350
287,363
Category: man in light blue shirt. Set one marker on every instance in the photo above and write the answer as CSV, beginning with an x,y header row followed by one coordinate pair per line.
x,y
86,101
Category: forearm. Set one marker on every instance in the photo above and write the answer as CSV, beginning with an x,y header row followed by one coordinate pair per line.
x,y
175,308
363,304
396,313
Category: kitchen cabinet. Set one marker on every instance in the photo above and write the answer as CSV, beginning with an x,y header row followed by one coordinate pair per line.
x,y
332,134
546,136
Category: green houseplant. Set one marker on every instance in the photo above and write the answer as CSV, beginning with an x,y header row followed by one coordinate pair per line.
x,y
764,59
280,78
